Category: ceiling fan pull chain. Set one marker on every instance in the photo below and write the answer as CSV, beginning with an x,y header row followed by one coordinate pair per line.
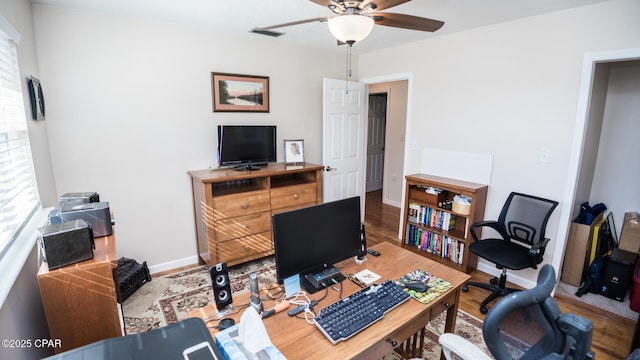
x,y
348,75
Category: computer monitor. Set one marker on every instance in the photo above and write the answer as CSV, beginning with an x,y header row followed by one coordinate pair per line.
x,y
310,240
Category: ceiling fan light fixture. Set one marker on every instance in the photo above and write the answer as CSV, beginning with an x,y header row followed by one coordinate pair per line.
x,y
350,28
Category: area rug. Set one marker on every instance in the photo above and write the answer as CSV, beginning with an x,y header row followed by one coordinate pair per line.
x,y
168,299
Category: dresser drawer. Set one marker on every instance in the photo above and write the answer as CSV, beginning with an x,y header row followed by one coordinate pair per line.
x,y
244,247
242,226
233,205
293,196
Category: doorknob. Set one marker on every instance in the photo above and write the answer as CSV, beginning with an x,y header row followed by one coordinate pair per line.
x,y
329,168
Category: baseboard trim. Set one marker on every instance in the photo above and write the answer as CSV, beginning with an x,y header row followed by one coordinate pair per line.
x,y
174,264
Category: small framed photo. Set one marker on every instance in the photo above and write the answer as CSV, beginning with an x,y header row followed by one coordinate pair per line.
x,y
294,151
240,93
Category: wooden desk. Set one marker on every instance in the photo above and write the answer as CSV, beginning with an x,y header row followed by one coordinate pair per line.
x,y
80,300
296,339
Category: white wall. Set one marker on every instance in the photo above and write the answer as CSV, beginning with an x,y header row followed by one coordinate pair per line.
x,y
509,90
130,112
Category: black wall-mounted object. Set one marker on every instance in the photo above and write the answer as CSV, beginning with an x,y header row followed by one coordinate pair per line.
x,y
37,98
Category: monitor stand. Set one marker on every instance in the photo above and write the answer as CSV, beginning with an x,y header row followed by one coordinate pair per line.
x,y
246,167
321,278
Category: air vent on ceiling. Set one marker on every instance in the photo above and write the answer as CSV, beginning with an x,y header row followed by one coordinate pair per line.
x,y
266,32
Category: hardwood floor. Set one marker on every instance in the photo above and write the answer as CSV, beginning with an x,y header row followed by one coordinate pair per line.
x,y
612,335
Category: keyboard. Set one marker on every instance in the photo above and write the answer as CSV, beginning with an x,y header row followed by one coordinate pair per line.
x,y
350,315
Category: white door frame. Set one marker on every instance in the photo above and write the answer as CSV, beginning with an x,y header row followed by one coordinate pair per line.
x,y
398,77
589,63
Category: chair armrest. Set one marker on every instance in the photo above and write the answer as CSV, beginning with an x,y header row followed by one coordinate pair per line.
x,y
461,347
488,223
580,329
537,251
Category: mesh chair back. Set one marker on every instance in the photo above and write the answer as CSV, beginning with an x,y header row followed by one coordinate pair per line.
x,y
525,217
527,333
521,326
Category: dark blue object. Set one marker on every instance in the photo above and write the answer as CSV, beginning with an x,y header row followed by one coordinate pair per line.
x,y
588,213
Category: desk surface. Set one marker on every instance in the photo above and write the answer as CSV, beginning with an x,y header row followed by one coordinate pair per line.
x,y
297,339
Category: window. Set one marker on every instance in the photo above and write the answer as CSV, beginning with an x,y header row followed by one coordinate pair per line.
x,y
18,192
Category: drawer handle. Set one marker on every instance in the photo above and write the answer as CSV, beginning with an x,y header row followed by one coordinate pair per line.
x,y
247,248
245,205
296,196
246,227
446,305
392,342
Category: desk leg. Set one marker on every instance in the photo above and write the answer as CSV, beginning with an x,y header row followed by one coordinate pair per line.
x,y
452,315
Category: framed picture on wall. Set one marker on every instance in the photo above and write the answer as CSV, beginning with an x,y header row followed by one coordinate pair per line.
x,y
37,98
240,93
294,151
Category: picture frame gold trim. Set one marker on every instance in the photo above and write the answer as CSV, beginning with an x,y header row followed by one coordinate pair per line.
x,y
239,93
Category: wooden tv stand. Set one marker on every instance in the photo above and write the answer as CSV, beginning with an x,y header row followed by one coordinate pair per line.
x,y
233,208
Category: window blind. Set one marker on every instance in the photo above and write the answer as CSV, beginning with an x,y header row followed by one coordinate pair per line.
x,y
18,191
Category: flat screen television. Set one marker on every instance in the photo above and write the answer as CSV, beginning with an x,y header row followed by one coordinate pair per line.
x,y
310,240
246,146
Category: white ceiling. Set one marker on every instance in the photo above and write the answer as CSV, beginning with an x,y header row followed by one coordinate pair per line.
x,y
240,16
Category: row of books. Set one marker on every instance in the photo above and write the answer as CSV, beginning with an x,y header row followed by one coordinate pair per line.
x,y
428,216
437,244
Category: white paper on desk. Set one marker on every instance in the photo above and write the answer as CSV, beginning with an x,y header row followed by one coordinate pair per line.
x,y
367,276
251,332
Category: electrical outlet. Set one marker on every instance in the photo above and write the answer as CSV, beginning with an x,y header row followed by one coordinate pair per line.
x,y
544,155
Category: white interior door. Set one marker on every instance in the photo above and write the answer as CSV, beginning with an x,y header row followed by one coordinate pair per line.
x,y
376,115
343,145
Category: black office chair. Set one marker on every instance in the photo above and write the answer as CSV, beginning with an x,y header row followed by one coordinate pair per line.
x,y
521,242
525,325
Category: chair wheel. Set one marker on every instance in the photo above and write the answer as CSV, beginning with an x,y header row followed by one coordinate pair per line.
x,y
465,288
483,310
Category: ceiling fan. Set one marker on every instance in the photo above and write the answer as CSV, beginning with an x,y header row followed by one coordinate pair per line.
x,y
356,19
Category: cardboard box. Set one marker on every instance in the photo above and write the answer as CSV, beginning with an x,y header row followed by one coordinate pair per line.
x,y
630,236
576,255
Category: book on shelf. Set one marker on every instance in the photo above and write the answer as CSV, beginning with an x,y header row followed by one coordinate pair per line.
x,y
428,216
437,244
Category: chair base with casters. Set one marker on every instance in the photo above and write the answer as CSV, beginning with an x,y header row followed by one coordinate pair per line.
x,y
497,286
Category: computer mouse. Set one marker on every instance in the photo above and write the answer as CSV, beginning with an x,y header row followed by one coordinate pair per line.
x,y
417,286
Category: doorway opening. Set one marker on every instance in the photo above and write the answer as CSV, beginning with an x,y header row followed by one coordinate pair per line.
x,y
388,99
376,132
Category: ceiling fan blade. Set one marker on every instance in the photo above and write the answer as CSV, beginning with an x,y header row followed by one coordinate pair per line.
x,y
320,19
324,3
407,21
386,4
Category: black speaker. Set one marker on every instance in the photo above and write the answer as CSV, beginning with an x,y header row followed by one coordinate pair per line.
x,y
221,285
363,243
